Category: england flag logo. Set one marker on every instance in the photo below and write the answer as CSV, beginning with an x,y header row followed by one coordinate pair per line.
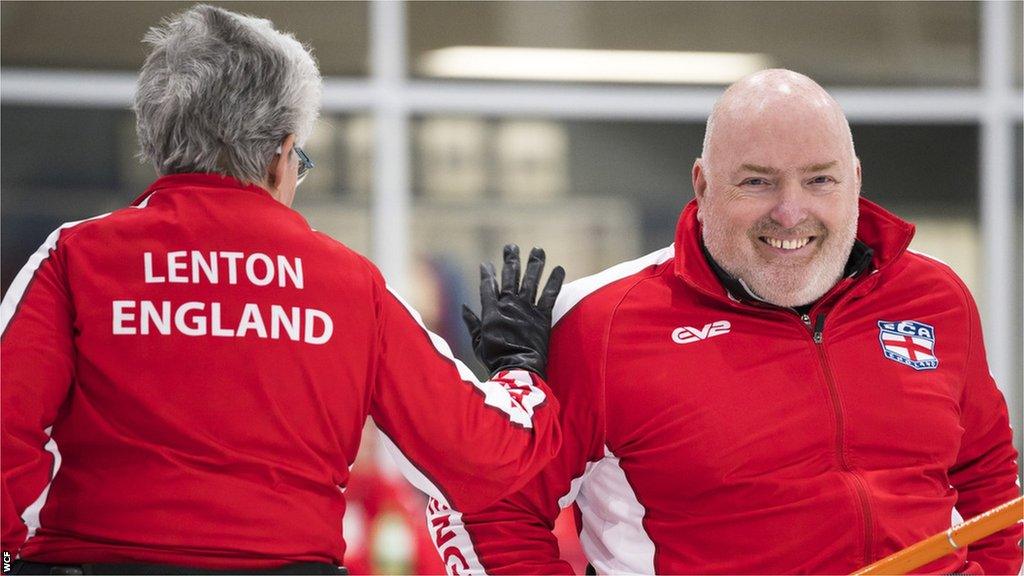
x,y
909,342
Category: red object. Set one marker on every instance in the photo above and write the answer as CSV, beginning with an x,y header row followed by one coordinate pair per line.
x,y
206,362
704,434
912,348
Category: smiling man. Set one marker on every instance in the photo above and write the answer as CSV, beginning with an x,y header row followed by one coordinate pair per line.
x,y
785,389
779,171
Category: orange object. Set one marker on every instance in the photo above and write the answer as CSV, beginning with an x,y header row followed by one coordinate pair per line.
x,y
951,540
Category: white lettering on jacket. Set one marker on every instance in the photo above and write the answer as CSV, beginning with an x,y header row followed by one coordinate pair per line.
x,y
307,325
145,317
195,266
688,334
147,260
325,335
121,316
173,265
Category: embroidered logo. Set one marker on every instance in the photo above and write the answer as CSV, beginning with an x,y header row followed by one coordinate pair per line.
x,y
909,342
519,386
688,334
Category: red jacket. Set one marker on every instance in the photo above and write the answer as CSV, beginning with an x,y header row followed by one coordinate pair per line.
x,y
206,362
711,435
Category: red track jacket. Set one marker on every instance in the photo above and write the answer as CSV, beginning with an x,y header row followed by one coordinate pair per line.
x,y
202,363
703,434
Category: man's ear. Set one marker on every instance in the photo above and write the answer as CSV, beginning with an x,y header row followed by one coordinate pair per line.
x,y
700,184
278,169
856,170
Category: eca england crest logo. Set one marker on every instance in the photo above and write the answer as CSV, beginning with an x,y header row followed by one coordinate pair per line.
x,y
909,342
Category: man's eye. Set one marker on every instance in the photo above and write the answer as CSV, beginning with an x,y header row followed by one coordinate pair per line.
x,y
754,182
822,180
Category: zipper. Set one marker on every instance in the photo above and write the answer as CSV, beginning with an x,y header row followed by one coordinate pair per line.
x,y
817,331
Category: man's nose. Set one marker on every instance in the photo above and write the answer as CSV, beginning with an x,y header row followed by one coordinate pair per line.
x,y
791,206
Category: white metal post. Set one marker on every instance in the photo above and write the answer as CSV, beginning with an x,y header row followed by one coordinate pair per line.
x,y
996,163
391,173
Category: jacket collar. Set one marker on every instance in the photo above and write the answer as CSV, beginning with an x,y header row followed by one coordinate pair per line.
x,y
199,180
881,238
858,263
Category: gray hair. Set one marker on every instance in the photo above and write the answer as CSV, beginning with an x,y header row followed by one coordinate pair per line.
x,y
220,91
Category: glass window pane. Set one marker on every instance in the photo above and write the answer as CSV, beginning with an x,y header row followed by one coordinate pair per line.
x,y
108,35
335,197
69,164
907,170
551,182
58,165
837,43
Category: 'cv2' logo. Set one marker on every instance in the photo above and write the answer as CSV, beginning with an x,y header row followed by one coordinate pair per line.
x,y
688,334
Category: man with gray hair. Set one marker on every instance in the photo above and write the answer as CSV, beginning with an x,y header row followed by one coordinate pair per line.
x,y
786,389
185,380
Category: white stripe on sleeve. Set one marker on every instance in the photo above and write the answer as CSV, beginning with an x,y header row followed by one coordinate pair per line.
x,y
17,289
20,283
410,471
452,540
31,514
573,292
574,487
612,531
8,307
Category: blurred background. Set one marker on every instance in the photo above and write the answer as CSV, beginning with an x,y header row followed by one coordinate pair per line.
x,y
451,128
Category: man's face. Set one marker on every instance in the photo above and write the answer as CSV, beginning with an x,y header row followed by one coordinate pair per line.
x,y
777,196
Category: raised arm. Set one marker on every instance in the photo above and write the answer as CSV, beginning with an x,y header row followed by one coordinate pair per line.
x,y
514,536
462,441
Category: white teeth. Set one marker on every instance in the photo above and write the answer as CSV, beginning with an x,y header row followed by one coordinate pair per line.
x,y
787,244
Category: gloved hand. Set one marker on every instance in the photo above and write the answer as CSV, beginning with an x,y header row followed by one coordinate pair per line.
x,y
512,332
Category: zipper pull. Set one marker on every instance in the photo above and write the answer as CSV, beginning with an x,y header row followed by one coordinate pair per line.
x,y
806,320
819,328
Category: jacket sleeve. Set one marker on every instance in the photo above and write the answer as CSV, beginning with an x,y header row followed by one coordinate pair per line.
x,y
985,474
36,368
464,442
515,535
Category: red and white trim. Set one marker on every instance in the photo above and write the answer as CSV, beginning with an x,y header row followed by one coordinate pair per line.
x,y
574,487
512,391
573,292
588,489
411,472
20,284
17,288
612,532
452,540
8,307
31,514
612,517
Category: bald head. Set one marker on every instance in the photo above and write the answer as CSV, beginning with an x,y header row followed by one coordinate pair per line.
x,y
777,187
771,99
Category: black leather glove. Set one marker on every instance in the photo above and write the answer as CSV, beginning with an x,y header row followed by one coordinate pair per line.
x,y
512,332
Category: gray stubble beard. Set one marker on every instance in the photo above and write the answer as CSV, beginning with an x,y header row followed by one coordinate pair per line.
x,y
774,285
